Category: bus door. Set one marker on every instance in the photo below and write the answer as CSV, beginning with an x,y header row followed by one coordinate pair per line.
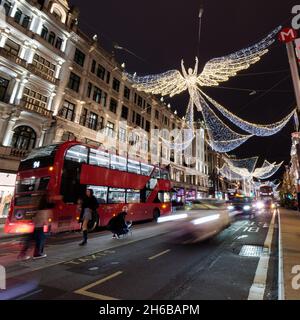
x,y
71,189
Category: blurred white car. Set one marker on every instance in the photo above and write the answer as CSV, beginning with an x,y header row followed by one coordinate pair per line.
x,y
196,225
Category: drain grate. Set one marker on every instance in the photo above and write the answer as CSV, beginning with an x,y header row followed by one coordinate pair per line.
x,y
253,251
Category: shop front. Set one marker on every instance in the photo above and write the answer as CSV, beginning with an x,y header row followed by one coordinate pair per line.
x,y
7,187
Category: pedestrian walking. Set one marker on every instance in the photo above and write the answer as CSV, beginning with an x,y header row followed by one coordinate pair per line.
x,y
37,237
88,206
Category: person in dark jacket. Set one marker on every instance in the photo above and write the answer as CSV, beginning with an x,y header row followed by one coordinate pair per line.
x,y
88,206
118,224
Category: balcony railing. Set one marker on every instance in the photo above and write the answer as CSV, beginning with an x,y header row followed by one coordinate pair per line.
x,y
36,108
12,57
43,75
13,152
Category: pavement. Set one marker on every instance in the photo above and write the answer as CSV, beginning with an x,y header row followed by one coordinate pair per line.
x,y
289,249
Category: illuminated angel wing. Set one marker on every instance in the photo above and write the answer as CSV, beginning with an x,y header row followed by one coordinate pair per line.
x,y
169,83
221,69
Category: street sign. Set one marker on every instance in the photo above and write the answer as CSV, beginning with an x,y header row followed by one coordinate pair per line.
x,y
287,35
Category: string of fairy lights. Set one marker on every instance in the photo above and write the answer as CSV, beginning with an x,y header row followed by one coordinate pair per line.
x,y
217,70
244,169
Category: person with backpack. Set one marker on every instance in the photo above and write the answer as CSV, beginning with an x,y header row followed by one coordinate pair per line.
x,y
118,225
88,207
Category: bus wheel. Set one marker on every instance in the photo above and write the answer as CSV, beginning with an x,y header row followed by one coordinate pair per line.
x,y
156,214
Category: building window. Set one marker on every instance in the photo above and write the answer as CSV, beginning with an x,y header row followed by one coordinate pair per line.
x,y
138,120
79,57
133,117
44,33
25,22
108,77
101,72
74,82
149,108
93,121
126,93
58,43
156,114
35,98
140,101
24,138
110,129
116,85
147,126
51,38
97,95
18,16
122,135
12,47
89,90
93,67
113,105
3,88
7,7
68,111
44,65
83,117
124,113
104,99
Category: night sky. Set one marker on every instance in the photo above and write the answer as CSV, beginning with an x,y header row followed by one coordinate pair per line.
x,y
162,32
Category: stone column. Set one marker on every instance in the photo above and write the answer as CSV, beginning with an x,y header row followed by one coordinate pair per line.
x,y
14,9
50,100
21,91
3,37
9,133
31,54
15,90
58,69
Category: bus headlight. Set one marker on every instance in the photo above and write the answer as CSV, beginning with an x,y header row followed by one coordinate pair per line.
x,y
247,208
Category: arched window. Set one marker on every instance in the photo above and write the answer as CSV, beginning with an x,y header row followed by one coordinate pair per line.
x,y
51,38
44,33
57,14
24,138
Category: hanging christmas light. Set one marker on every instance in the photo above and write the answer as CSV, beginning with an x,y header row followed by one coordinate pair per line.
x,y
255,129
222,138
216,71
234,170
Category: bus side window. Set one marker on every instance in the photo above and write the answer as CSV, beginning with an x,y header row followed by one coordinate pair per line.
x,y
134,167
99,158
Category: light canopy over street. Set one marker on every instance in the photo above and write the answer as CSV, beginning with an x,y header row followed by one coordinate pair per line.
x,y
149,156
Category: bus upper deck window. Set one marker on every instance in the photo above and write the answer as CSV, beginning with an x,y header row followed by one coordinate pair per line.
x,y
77,154
99,158
146,169
134,167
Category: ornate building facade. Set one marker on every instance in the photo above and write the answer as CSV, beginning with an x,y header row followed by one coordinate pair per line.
x,y
57,84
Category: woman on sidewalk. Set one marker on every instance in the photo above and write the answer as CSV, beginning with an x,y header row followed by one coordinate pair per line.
x,y
87,206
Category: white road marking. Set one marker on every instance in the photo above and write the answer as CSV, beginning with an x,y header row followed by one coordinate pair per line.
x,y
257,290
281,294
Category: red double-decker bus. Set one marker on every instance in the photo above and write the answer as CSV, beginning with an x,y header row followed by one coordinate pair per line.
x,y
64,171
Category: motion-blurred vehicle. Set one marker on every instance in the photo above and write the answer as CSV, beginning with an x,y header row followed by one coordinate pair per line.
x,y
242,205
196,225
265,204
205,204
